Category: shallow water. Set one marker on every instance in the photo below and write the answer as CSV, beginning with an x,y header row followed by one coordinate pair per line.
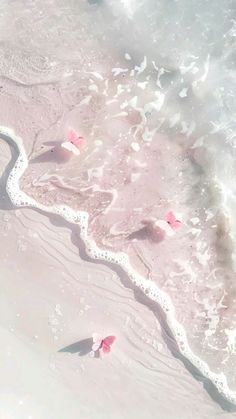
x,y
150,86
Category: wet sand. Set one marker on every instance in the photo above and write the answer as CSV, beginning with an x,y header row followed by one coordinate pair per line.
x,y
52,300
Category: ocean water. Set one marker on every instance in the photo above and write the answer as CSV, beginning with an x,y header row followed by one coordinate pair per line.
x,y
150,86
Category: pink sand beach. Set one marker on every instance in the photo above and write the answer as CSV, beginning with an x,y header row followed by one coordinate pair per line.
x,y
117,164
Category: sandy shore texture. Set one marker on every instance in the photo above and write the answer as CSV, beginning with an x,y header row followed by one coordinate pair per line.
x,y
150,86
52,300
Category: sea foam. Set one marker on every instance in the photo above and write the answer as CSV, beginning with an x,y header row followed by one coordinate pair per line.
x,y
81,218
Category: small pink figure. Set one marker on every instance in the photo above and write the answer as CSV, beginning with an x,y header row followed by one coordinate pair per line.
x,y
172,220
73,142
158,229
102,343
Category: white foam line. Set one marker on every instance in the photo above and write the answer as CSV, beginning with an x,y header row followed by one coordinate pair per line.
x,y
20,199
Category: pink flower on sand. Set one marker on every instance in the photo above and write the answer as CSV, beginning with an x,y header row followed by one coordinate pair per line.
x,y
73,142
102,343
172,220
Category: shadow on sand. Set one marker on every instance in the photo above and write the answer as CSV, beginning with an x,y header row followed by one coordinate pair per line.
x,y
81,347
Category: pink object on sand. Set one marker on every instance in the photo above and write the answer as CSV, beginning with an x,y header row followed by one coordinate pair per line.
x,y
73,142
73,137
172,220
102,343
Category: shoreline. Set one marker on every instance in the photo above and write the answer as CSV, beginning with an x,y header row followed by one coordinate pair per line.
x,y
20,199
